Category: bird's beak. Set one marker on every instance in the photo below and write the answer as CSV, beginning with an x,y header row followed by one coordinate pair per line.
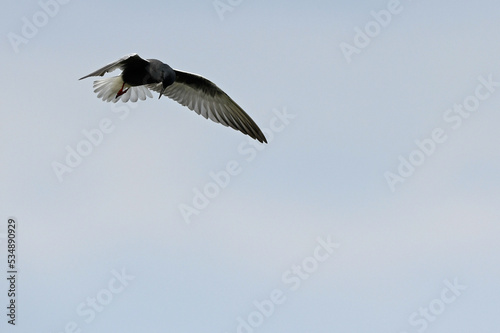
x,y
161,92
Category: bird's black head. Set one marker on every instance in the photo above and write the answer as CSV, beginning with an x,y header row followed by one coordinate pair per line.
x,y
159,72
167,77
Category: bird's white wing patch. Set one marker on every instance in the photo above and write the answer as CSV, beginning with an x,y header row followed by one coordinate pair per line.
x,y
107,89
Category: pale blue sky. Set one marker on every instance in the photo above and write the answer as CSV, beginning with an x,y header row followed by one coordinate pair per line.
x,y
321,175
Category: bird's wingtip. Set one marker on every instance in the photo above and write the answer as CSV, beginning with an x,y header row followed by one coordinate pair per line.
x,y
84,77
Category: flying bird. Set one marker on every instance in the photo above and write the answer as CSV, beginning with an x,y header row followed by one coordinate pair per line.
x,y
139,76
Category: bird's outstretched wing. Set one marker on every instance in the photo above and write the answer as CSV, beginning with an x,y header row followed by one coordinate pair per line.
x,y
205,98
128,59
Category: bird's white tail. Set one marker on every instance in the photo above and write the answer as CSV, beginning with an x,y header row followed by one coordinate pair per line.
x,y
108,88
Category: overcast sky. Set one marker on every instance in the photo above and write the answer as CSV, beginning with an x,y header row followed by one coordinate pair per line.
x,y
373,208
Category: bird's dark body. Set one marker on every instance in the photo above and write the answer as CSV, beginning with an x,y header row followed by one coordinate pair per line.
x,y
135,74
139,72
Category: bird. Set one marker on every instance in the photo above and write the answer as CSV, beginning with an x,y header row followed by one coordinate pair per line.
x,y
141,76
